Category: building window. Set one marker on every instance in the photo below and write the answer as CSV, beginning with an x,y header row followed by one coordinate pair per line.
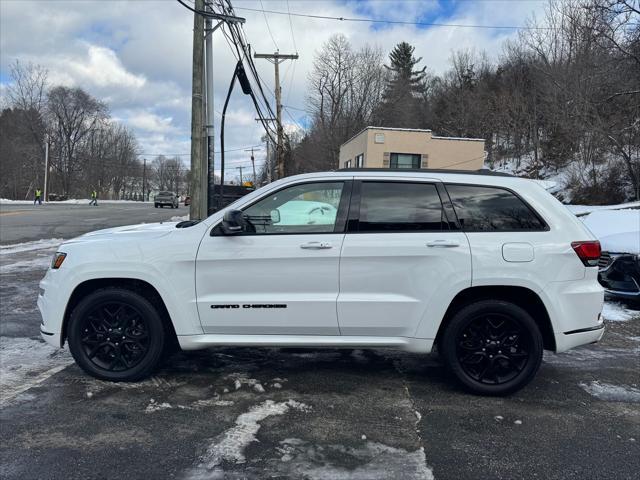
x,y
360,161
378,138
405,160
347,164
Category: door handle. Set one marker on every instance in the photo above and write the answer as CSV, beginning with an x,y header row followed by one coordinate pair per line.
x,y
316,245
443,244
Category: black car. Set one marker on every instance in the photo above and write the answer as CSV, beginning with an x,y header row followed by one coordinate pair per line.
x,y
620,275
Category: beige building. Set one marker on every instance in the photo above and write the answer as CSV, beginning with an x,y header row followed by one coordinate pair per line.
x,y
381,147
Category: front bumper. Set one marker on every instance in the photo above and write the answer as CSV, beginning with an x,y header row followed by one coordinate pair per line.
x,y
620,275
51,321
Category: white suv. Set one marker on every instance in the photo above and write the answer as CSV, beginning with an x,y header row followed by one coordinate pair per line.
x,y
491,269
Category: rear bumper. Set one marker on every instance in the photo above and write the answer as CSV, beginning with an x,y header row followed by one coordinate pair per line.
x,y
575,309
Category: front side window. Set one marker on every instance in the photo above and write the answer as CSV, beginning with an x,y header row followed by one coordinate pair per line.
x,y
405,160
305,208
400,207
490,209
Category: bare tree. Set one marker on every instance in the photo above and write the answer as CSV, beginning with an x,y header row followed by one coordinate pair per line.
x,y
73,114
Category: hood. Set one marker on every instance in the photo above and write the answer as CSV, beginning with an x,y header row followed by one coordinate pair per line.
x,y
134,232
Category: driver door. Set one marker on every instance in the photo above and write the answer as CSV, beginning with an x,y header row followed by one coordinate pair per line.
x,y
280,274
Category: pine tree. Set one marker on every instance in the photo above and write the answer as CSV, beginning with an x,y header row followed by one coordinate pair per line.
x,y
400,103
402,64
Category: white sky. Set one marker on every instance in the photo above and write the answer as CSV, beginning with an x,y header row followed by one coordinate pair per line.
x,y
136,55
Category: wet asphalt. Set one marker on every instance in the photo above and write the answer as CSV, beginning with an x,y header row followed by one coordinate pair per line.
x,y
293,413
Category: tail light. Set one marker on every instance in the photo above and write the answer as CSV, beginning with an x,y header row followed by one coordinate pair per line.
x,y
588,251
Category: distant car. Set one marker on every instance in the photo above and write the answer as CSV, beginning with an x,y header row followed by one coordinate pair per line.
x,y
187,200
166,198
619,235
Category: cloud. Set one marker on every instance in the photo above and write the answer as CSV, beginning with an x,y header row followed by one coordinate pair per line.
x,y
137,55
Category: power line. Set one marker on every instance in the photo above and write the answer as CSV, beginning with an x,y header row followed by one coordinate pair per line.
x,y
268,27
394,22
291,27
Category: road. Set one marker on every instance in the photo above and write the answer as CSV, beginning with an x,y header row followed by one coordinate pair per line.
x,y
20,223
281,413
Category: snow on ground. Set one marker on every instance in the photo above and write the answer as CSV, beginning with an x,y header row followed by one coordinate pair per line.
x,y
617,230
41,262
376,461
612,393
177,218
29,246
230,445
24,363
617,312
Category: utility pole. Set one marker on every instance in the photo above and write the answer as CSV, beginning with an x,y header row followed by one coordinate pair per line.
x,y
277,58
240,168
253,166
46,167
144,176
198,197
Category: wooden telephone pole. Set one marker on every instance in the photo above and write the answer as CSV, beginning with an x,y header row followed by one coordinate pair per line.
x,y
198,195
277,58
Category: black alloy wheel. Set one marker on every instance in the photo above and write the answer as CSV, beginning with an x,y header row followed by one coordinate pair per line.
x,y
116,334
493,347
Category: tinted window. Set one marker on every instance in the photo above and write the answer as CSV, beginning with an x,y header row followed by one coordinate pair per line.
x,y
488,209
305,208
400,207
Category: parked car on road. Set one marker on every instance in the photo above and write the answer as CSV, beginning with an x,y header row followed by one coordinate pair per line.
x,y
166,198
619,234
487,268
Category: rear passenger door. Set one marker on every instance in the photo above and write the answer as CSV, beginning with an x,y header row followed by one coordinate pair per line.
x,y
402,259
509,240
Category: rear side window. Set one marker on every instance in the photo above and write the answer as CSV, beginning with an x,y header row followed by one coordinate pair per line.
x,y
490,209
400,207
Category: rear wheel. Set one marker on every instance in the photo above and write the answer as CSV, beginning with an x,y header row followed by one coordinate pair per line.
x,y
155,205
492,347
117,335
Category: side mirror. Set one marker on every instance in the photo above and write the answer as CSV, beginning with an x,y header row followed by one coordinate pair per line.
x,y
232,222
275,216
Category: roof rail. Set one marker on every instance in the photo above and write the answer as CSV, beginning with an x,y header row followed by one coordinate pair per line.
x,y
483,171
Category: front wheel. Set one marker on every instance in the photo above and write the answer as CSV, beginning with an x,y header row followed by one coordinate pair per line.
x,y
492,347
116,335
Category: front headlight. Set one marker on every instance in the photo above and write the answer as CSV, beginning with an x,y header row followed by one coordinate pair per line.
x,y
58,258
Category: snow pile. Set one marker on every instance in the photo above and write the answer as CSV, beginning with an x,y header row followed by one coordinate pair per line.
x,y
579,210
616,312
612,393
24,363
29,246
177,218
617,230
230,445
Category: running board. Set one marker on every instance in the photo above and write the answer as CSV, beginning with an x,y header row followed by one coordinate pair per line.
x,y
196,342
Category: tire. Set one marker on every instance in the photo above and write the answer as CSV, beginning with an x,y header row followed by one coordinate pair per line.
x,y
155,205
492,347
116,311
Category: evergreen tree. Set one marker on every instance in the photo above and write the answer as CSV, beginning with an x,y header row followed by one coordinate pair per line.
x,y
400,105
